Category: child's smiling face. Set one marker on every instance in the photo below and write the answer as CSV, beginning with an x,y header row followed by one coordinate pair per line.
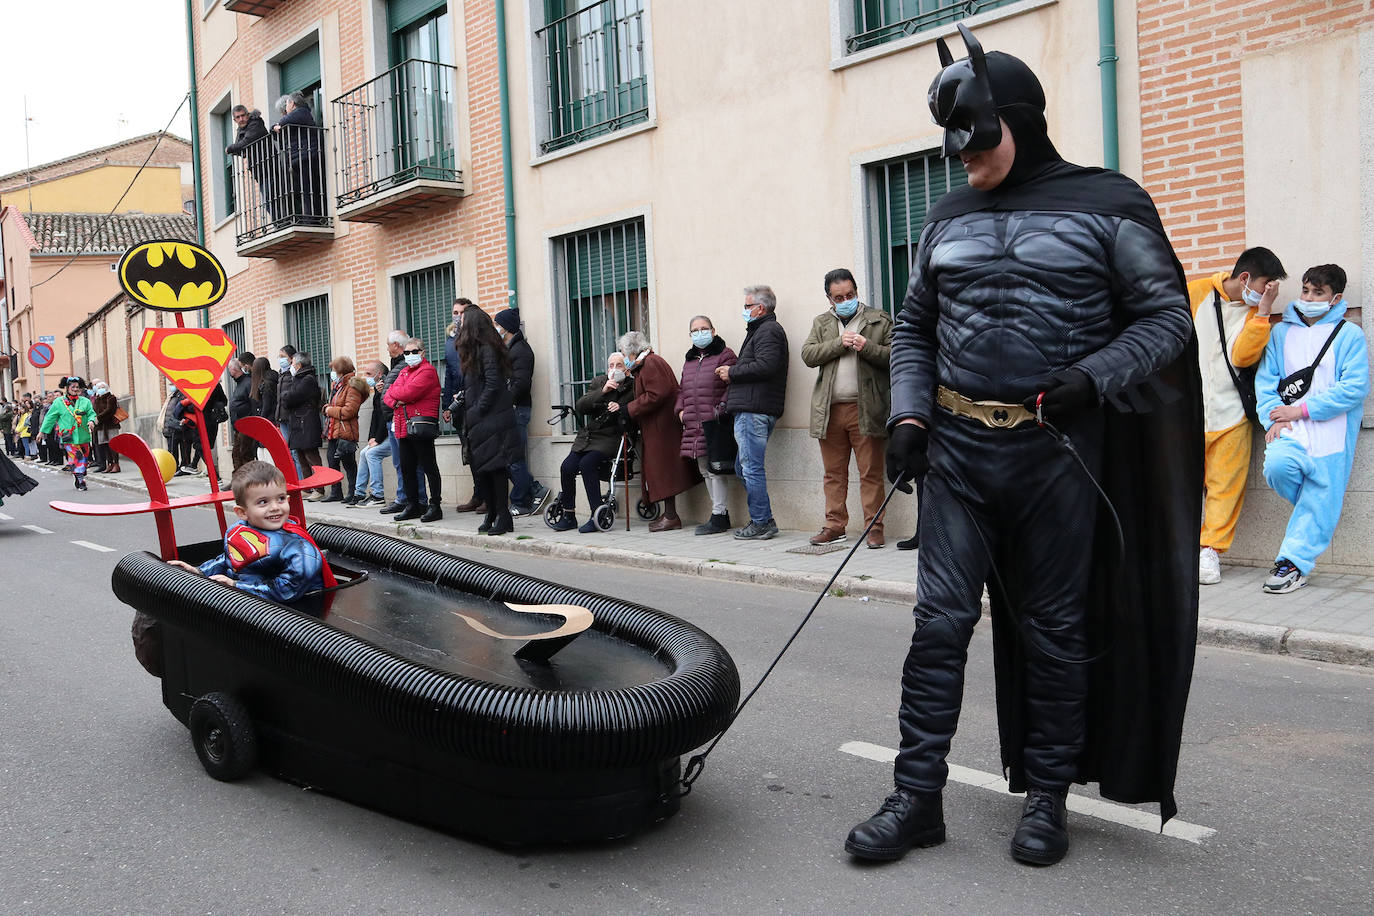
x,y
264,506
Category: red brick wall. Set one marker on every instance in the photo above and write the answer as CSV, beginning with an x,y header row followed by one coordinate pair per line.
x,y
1190,102
475,220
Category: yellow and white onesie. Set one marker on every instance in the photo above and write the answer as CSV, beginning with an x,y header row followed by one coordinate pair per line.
x,y
1226,461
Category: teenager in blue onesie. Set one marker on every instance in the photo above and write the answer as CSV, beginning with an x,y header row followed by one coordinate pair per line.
x,y
266,553
1311,428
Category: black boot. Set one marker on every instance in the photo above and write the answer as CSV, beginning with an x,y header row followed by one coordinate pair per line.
x,y
433,514
906,819
487,522
1042,837
503,524
412,510
716,524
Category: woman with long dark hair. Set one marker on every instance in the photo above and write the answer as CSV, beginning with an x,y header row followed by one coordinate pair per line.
x,y
489,418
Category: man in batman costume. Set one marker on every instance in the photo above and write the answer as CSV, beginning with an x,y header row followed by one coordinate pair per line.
x,y
1045,337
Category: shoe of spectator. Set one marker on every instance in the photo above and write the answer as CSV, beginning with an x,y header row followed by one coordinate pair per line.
x,y
472,505
828,536
541,494
332,498
910,543
370,502
1284,578
182,472
667,523
589,526
188,470
876,541
1208,567
756,532
412,511
394,508
716,524
517,511
565,522
433,513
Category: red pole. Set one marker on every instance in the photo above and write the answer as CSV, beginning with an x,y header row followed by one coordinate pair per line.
x,y
206,452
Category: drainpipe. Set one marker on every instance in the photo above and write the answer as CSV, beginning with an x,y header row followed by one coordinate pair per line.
x,y
1106,62
513,301
195,142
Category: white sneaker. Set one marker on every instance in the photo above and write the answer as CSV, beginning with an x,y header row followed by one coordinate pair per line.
x,y
1284,578
1208,567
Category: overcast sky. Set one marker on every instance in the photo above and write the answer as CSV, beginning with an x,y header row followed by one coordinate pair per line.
x,y
94,72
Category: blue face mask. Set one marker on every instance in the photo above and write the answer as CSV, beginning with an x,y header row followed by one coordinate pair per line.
x,y
1250,296
283,363
747,317
371,382
847,308
702,339
413,359
1312,309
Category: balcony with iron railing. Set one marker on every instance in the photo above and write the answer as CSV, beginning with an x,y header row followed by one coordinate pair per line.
x,y
279,183
877,22
396,143
596,73
252,7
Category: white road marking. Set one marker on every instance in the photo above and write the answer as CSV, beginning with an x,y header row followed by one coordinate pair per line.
x,y
99,548
36,530
1080,804
6,518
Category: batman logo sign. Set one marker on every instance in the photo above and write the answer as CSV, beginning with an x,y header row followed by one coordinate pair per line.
x,y
172,276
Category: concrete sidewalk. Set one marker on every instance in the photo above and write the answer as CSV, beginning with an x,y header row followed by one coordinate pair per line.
x,y
1331,620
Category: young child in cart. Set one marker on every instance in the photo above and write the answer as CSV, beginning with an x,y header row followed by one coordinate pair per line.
x,y
266,553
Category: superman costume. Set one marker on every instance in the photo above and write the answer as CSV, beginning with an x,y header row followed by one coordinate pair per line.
x,y
280,565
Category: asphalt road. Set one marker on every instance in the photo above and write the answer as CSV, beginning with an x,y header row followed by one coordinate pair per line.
x,y
104,807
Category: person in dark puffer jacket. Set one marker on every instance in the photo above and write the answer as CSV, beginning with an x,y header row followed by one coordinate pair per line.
x,y
702,398
758,387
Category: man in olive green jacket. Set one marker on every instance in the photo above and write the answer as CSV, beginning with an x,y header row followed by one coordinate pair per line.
x,y
851,344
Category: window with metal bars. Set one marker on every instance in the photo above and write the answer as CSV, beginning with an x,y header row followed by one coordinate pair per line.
x,y
595,68
307,329
879,21
900,194
234,331
602,284
424,308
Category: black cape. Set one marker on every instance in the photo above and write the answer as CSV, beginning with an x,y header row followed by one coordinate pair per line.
x,y
1142,615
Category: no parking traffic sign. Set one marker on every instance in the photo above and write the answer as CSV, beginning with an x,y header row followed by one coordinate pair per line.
x,y
41,355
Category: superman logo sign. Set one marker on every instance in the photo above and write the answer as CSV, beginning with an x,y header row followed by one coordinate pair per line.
x,y
193,359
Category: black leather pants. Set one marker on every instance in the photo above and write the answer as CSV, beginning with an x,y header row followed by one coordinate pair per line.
x,y
1035,509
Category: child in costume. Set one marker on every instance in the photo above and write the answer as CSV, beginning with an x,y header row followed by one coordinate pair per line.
x,y
72,415
266,553
1311,387
1231,314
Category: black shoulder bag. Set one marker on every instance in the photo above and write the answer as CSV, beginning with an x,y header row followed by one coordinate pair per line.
x,y
1244,378
1295,386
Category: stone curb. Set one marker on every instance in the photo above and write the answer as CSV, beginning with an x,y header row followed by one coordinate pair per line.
x,y
1314,645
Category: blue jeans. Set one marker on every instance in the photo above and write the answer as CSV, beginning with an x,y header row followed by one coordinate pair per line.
x,y
369,481
521,482
286,437
751,435
400,478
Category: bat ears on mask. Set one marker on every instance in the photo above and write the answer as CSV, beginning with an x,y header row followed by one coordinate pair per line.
x,y
961,101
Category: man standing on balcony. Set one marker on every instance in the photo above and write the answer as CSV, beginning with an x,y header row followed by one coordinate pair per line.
x,y
300,149
1045,344
256,155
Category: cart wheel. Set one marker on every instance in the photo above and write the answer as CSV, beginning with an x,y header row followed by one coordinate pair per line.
x,y
605,517
222,734
649,511
612,502
553,514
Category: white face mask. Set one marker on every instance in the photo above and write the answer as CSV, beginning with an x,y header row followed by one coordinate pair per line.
x,y
413,359
616,375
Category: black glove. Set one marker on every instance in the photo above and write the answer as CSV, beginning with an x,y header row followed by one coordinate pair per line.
x,y
1068,393
906,454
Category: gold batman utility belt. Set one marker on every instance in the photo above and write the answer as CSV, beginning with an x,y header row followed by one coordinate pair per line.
x,y
993,414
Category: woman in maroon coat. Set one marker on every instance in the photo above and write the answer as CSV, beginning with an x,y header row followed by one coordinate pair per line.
x,y
666,474
702,398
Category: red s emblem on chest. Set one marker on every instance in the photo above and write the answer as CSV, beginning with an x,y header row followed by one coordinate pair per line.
x,y
244,546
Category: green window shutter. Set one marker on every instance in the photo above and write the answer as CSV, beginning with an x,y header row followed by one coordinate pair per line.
x,y
424,308
307,329
229,130
302,72
402,13
903,192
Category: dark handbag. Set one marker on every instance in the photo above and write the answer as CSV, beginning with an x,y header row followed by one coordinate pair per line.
x,y
720,444
1243,379
346,447
1295,387
422,427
